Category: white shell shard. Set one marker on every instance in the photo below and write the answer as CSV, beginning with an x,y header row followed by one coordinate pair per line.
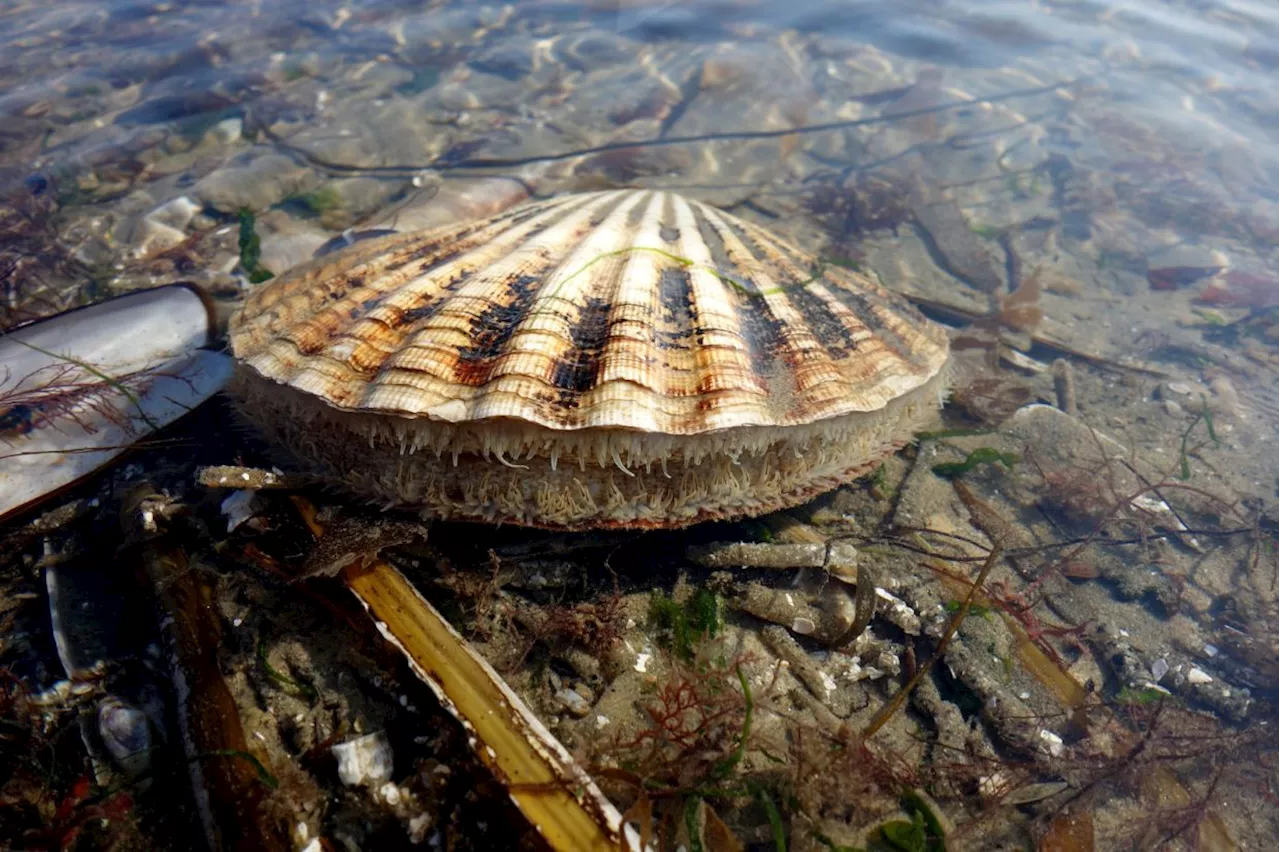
x,y
366,760
602,333
78,389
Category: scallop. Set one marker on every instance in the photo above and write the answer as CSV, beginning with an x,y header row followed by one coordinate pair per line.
x,y
624,359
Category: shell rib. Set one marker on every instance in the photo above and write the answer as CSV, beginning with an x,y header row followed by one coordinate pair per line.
x,y
627,358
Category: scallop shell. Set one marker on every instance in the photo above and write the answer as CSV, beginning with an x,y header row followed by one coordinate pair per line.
x,y
614,359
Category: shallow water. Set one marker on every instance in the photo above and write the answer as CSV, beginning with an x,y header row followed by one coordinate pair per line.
x,y
1122,155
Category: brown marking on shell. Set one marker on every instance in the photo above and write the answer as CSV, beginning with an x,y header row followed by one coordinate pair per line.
x,y
628,309
610,330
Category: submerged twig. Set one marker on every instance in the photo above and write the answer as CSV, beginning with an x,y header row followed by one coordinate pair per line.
x,y
886,712
247,478
473,163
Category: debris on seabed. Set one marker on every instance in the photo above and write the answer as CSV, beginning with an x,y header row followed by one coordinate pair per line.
x,y
365,760
561,801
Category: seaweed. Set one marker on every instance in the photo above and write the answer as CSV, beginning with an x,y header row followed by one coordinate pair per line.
x,y
290,685
320,200
982,455
681,626
38,275
593,625
1205,415
689,756
900,836
1144,695
251,248
922,832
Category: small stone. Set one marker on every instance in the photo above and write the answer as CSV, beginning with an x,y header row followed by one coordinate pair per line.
x,y
225,132
418,826
152,237
586,51
1187,256
1179,277
238,508
1225,399
1052,743
1159,669
126,733
899,613
266,181
1198,676
176,213
287,242
1172,408
456,98
509,60
574,703
842,561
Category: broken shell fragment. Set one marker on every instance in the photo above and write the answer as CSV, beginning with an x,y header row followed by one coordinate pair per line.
x,y
365,760
78,389
615,359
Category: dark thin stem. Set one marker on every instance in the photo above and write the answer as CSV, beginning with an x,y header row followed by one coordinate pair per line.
x,y
886,712
441,165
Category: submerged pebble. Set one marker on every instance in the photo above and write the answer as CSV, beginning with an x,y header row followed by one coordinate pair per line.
x,y
1159,669
126,734
257,185
573,702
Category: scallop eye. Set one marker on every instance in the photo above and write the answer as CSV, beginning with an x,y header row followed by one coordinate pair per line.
x,y
628,358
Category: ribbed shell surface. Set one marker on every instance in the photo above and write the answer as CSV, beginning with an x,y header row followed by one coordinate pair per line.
x,y
627,309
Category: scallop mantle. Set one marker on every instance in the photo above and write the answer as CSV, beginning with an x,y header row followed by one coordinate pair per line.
x,y
621,328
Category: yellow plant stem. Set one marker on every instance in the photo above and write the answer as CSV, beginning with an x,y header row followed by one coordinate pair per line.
x,y
558,797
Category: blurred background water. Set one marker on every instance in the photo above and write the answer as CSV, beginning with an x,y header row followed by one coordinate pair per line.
x,y
1120,155
1120,139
